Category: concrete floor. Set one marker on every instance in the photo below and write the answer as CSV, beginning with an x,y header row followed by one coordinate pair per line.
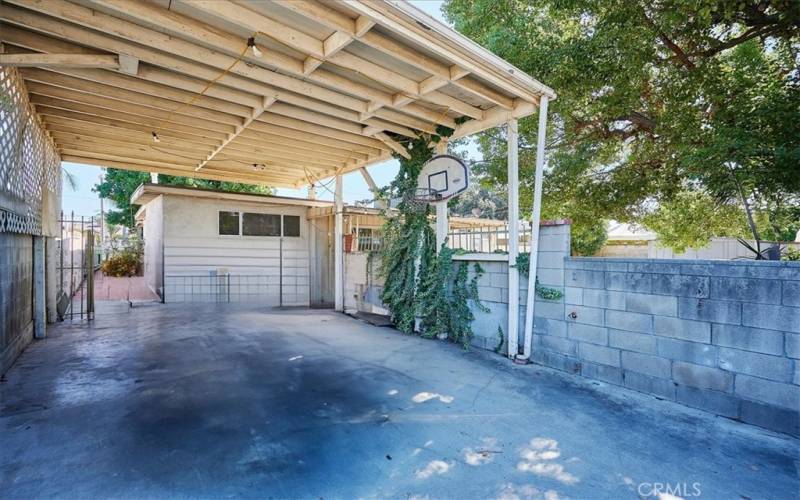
x,y
230,401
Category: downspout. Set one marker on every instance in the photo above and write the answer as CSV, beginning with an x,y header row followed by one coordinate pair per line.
x,y
535,220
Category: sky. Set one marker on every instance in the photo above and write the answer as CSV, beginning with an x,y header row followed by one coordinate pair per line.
x,y
84,201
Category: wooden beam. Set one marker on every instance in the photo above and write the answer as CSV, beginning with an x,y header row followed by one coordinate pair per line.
x,y
92,122
493,118
268,101
128,64
394,145
69,85
126,165
103,61
101,106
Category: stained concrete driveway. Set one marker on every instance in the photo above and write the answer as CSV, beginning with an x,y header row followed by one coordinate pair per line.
x,y
207,401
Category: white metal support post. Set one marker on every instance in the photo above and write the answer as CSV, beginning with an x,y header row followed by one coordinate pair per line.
x,y
535,221
39,290
338,245
442,211
513,239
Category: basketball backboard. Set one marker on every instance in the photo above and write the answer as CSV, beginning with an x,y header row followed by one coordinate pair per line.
x,y
443,177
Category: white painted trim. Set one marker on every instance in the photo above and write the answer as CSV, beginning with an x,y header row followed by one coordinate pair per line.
x,y
338,238
536,217
486,257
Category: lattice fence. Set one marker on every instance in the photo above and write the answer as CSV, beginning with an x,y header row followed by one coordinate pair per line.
x,y
30,166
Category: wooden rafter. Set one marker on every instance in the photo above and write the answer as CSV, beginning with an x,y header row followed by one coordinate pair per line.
x,y
312,105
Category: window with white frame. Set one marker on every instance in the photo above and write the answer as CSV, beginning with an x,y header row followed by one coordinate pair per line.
x,y
232,223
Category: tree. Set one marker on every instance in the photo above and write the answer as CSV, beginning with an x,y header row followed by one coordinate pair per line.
x,y
658,103
118,186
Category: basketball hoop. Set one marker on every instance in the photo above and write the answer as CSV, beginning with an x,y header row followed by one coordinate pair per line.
x,y
417,200
441,178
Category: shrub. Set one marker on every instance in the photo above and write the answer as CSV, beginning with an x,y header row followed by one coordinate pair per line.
x,y
125,263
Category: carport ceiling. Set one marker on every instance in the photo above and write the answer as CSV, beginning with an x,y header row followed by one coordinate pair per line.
x,y
171,86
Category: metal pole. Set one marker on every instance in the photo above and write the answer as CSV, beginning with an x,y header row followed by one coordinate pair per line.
x,y
83,265
513,239
535,220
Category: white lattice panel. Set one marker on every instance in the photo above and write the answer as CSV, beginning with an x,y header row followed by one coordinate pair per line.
x,y
29,162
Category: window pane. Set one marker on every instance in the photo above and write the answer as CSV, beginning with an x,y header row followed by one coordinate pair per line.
x,y
261,225
291,225
229,223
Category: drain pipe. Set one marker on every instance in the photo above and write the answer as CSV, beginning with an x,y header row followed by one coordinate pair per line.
x,y
535,221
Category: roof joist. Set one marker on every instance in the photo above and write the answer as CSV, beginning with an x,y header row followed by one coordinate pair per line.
x,y
312,105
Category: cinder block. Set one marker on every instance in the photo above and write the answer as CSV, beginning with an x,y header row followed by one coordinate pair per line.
x,y
549,326
634,322
745,289
605,373
573,295
771,417
692,352
584,279
791,293
654,366
548,309
681,285
586,315
550,260
760,365
651,304
560,345
661,388
599,354
702,377
649,266
605,264
629,282
715,311
573,263
768,391
630,341
498,280
718,403
686,329
551,277
587,333
606,299
489,294
748,338
557,361
793,345
784,318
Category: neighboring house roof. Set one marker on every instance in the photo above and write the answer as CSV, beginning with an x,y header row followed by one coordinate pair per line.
x,y
618,231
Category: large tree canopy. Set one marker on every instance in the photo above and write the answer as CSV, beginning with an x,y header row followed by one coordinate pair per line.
x,y
669,113
118,186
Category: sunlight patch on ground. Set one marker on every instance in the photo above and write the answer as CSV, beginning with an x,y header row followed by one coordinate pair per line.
x,y
426,396
483,454
537,458
510,491
434,467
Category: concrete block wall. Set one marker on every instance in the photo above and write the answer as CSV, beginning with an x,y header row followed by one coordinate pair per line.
x,y
554,247
721,336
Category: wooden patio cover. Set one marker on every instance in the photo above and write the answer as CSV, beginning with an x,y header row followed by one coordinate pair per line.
x,y
172,86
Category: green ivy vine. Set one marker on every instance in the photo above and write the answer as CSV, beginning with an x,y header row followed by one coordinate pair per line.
x,y
419,282
523,264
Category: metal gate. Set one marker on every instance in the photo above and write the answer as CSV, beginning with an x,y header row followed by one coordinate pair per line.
x,y
76,262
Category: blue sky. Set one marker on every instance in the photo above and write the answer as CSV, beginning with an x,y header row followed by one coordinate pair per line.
x,y
83,201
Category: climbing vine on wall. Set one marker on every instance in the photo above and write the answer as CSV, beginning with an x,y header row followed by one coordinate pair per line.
x,y
421,283
523,264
